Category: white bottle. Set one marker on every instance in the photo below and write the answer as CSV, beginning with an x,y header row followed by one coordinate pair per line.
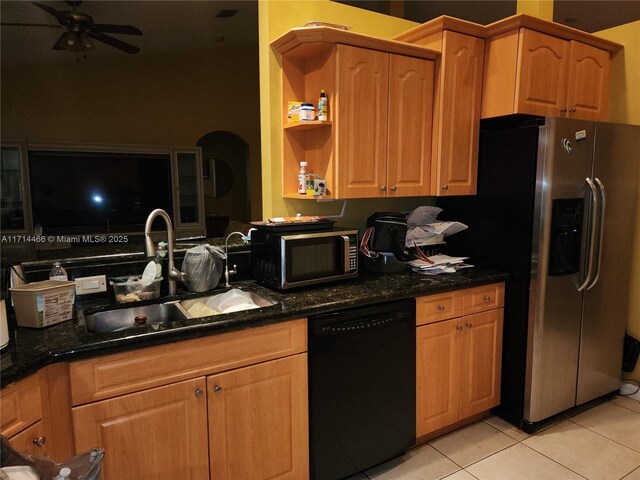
x,y
303,178
58,273
64,474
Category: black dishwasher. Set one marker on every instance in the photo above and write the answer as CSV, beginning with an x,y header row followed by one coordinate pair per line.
x,y
362,387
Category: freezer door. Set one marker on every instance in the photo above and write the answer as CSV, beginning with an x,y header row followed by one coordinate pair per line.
x,y
564,162
606,301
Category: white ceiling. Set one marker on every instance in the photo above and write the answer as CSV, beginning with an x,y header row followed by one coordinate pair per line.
x,y
166,26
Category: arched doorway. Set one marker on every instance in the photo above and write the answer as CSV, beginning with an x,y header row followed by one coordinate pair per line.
x,y
225,158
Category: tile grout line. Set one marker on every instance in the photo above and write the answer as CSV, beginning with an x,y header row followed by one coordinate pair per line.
x,y
604,436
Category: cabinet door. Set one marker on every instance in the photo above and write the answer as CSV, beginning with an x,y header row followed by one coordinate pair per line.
x,y
258,421
361,122
458,115
156,433
542,74
188,198
410,113
481,362
15,210
588,84
437,375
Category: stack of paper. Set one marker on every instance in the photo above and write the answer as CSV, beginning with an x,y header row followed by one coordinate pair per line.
x,y
440,264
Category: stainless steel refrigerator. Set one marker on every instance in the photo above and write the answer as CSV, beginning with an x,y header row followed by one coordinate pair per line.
x,y
556,208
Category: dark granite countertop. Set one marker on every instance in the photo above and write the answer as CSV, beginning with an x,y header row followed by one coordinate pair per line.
x,y
32,349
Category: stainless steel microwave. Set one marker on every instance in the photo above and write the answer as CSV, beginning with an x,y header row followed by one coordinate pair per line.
x,y
296,259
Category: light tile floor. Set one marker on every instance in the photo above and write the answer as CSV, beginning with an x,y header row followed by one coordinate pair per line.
x,y
602,443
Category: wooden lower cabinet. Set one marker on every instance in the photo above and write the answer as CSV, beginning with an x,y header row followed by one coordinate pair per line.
x,y
156,433
32,440
258,421
458,369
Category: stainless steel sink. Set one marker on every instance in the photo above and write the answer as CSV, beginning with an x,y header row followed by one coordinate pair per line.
x,y
117,319
124,318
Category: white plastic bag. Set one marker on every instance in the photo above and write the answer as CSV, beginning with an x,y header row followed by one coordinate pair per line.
x,y
203,265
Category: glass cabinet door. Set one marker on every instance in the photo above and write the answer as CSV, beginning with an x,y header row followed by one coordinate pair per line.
x,y
15,199
188,195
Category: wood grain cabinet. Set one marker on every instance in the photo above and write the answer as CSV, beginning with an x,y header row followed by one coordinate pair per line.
x,y
377,142
21,416
541,68
458,94
458,360
247,419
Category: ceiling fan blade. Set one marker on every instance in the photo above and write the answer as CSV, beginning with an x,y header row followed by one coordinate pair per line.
x,y
30,25
123,29
113,42
47,8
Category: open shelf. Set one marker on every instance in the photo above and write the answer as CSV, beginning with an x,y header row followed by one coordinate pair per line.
x,y
308,197
307,125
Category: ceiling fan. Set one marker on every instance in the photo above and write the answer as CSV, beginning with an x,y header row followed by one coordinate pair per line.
x,y
81,29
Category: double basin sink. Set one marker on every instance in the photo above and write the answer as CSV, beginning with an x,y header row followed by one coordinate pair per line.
x,y
123,318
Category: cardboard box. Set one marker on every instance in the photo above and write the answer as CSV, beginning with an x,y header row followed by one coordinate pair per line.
x,y
40,304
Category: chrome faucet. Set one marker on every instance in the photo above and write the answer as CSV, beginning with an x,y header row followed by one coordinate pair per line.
x,y
150,248
227,273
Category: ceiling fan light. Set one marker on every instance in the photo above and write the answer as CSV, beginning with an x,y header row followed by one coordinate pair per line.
x,y
85,43
68,41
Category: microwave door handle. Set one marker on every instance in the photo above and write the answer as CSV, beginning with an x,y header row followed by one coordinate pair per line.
x,y
595,206
345,240
603,195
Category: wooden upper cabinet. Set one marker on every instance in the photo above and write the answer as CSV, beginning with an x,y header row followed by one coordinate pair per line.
x,y
457,102
157,433
410,121
377,140
542,68
589,82
542,74
459,97
258,421
362,115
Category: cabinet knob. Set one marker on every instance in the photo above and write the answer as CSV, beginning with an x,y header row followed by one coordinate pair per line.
x,y
445,187
198,393
573,110
383,188
441,308
563,110
486,298
40,441
468,325
459,327
217,389
394,188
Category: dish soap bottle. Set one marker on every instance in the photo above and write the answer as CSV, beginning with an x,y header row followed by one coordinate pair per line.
x,y
323,107
65,474
58,273
303,178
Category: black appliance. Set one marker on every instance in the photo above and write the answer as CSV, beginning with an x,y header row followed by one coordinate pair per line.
x,y
362,387
283,257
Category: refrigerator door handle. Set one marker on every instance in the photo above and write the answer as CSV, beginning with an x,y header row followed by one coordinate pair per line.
x,y
595,206
603,195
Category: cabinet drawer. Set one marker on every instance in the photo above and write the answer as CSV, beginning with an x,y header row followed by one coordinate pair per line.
x,y
31,440
442,306
20,405
127,372
486,297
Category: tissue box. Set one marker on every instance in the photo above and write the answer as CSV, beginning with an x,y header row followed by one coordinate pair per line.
x,y
40,304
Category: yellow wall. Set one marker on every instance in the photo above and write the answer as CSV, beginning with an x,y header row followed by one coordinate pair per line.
x,y
146,99
536,8
276,18
625,108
